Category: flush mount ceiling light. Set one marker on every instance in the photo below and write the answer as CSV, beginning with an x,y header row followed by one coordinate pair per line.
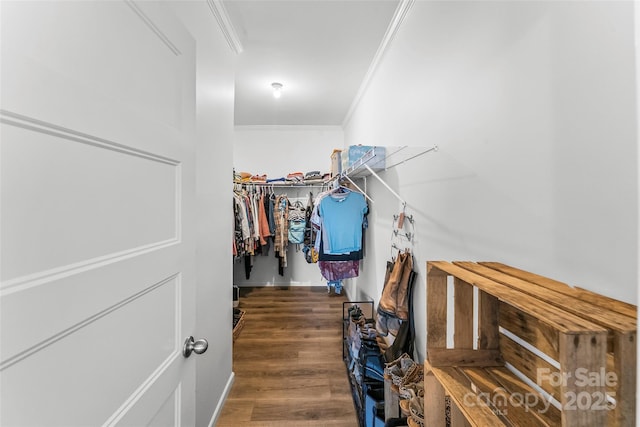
x,y
277,89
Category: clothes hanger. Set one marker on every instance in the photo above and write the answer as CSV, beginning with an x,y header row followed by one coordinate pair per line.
x,y
341,189
357,188
340,193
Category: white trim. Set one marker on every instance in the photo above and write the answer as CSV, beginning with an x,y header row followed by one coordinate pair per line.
x,y
224,22
153,27
291,283
22,283
286,127
36,125
636,5
89,321
177,406
222,400
144,387
394,26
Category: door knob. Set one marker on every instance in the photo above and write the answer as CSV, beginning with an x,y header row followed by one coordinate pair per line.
x,y
198,347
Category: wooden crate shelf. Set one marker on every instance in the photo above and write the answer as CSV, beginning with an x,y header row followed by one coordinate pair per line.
x,y
534,339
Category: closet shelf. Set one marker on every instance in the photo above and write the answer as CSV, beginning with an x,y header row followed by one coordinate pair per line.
x,y
280,184
382,159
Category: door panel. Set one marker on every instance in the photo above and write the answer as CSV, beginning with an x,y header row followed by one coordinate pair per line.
x,y
97,198
100,289
128,51
113,178
73,362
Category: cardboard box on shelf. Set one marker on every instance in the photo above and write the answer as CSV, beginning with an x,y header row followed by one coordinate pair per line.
x,y
336,162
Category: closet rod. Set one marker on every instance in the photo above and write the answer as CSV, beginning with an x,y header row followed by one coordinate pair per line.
x,y
268,184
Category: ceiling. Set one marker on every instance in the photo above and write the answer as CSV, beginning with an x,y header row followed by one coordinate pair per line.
x,y
320,50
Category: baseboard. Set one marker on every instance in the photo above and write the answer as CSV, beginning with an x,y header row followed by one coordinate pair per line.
x,y
255,284
223,399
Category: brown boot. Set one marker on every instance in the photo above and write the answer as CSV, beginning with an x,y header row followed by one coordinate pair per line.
x,y
402,296
390,291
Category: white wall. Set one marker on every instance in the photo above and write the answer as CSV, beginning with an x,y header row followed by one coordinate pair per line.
x,y
533,107
277,151
214,152
637,31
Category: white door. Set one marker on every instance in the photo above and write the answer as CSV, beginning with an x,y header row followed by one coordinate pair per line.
x,y
97,200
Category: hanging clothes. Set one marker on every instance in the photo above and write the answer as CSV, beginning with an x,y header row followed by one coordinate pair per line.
x,y
339,218
309,250
297,222
251,228
263,223
339,270
263,220
342,213
281,217
242,230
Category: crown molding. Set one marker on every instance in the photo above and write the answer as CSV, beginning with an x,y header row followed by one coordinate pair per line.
x,y
288,128
222,17
401,12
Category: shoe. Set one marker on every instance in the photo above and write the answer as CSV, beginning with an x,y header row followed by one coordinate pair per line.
x,y
357,316
402,295
389,295
416,408
404,408
401,363
398,369
414,374
399,360
408,392
382,344
354,311
368,332
411,390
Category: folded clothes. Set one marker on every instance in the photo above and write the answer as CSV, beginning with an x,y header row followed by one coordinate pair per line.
x,y
281,179
259,178
295,176
312,175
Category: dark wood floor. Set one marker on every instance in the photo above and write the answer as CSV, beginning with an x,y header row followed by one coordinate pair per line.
x,y
288,361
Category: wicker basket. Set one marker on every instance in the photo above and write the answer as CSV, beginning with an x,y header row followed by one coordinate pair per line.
x,y
238,325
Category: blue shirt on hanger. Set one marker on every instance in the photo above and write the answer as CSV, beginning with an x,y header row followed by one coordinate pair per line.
x,y
342,216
